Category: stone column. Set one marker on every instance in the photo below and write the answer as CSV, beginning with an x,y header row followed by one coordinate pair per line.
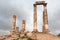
x,y
17,30
13,24
35,19
23,31
23,25
45,19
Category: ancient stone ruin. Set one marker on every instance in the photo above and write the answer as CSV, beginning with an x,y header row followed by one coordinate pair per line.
x,y
35,34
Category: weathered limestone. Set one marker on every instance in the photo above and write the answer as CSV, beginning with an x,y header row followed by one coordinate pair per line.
x,y
23,26
45,19
17,30
22,32
35,35
13,25
35,19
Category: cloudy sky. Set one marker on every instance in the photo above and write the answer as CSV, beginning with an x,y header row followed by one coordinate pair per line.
x,y
23,9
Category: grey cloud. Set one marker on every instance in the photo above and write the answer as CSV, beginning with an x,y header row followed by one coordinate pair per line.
x,y
3,32
23,9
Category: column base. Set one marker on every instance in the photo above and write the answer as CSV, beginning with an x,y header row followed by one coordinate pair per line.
x,y
12,32
35,30
46,29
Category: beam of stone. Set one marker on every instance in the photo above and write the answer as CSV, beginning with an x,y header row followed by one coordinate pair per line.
x,y
45,19
13,24
40,3
35,19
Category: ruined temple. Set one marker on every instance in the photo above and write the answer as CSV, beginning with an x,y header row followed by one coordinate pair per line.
x,y
46,34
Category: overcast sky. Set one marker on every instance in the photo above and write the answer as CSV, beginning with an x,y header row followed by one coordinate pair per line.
x,y
23,9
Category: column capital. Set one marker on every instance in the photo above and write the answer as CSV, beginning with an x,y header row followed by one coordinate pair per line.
x,y
34,5
23,21
14,16
45,4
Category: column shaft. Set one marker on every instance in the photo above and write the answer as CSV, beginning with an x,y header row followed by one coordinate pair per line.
x,y
45,20
23,25
35,19
13,24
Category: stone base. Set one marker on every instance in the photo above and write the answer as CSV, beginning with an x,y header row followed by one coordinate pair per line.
x,y
35,30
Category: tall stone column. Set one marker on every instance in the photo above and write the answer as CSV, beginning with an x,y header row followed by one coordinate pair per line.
x,y
45,19
23,31
13,24
35,19
23,25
